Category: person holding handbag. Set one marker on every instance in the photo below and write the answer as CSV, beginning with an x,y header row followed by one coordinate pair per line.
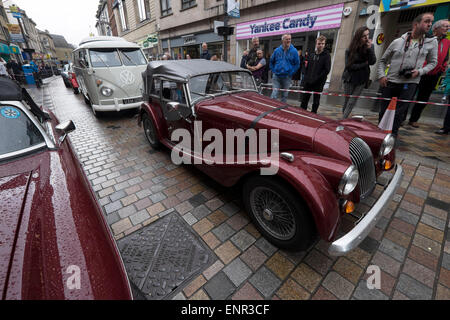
x,y
358,59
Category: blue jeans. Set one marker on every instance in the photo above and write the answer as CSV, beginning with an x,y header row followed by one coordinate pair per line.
x,y
280,83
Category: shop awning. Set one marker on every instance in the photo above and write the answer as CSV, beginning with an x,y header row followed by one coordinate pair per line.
x,y
4,49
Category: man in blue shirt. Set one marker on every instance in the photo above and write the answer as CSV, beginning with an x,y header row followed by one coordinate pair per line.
x,y
284,62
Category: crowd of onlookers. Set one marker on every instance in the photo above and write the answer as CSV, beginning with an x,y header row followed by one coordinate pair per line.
x,y
14,69
412,65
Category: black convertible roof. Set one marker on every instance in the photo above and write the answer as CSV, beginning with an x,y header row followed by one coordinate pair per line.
x,y
183,70
9,90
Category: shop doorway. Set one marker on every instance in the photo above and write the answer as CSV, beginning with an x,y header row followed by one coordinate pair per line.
x,y
192,51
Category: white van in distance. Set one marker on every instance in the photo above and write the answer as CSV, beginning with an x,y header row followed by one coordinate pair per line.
x,y
109,72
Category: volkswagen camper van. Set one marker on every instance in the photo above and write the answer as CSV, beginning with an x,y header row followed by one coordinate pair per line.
x,y
109,73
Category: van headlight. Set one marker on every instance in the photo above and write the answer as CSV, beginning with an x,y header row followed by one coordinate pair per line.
x,y
388,145
349,181
107,92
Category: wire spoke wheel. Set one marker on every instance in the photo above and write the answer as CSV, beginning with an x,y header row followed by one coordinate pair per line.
x,y
273,213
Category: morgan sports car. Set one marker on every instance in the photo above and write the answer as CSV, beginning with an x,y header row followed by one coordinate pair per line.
x,y
324,168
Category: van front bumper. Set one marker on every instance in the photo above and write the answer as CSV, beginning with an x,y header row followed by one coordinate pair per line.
x,y
355,236
116,105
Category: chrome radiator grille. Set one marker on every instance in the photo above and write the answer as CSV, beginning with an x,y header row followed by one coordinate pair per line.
x,y
362,158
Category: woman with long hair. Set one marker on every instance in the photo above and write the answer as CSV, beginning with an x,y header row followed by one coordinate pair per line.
x,y
358,57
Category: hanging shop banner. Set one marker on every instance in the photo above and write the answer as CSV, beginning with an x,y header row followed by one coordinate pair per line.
x,y
316,19
233,8
390,5
14,28
150,41
17,38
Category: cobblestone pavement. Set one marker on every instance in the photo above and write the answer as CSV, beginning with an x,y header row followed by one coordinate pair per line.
x,y
136,186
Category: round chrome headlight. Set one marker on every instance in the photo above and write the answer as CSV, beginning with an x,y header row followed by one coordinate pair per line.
x,y
349,181
107,92
388,145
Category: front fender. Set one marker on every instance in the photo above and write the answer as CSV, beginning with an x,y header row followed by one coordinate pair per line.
x,y
317,193
154,115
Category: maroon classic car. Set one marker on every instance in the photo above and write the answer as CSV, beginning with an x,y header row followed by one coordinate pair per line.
x,y
54,241
323,168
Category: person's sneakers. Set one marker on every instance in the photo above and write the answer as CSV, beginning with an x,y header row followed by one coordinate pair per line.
x,y
414,124
442,131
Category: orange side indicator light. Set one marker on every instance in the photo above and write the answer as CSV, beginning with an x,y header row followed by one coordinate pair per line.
x,y
349,207
387,165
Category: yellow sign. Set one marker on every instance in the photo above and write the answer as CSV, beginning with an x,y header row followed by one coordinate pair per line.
x,y
13,9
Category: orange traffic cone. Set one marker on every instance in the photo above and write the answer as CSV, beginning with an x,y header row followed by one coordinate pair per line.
x,y
387,122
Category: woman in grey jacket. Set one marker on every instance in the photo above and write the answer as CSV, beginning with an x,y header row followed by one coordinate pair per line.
x,y
358,57
407,55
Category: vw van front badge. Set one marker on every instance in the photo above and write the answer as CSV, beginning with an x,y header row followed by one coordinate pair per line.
x,y
127,77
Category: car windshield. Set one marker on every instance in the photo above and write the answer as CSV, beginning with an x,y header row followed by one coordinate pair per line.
x,y
17,130
220,83
104,58
132,57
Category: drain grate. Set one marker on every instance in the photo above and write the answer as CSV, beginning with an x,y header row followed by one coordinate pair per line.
x,y
163,257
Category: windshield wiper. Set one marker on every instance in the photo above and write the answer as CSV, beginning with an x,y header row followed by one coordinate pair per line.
x,y
129,59
204,94
100,59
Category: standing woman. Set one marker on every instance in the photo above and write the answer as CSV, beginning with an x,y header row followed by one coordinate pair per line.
x,y
358,57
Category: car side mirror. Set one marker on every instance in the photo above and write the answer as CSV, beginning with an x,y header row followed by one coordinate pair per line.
x,y
64,129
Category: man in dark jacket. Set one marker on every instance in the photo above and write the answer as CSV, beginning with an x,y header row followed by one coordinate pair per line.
x,y
205,53
253,53
317,68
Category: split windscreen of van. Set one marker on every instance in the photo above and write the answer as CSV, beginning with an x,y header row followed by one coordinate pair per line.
x,y
116,57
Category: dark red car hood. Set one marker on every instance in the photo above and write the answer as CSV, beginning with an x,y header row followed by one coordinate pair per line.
x,y
298,128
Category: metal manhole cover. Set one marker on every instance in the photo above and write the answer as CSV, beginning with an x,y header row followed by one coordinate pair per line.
x,y
163,257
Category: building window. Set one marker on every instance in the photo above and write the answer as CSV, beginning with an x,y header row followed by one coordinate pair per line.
x,y
143,9
165,7
123,15
185,4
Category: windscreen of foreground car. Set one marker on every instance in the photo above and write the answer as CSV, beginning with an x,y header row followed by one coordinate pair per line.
x,y
220,83
132,57
18,132
104,58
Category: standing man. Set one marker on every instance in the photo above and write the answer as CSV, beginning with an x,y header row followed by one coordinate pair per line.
x,y
253,53
284,62
3,71
428,81
318,66
407,55
205,53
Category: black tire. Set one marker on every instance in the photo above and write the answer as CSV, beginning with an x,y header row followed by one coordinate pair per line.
x,y
87,101
292,228
76,91
150,131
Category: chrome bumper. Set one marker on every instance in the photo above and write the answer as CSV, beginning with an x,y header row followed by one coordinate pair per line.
x,y
353,238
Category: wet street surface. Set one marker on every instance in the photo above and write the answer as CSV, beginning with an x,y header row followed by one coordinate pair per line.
x,y
182,236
